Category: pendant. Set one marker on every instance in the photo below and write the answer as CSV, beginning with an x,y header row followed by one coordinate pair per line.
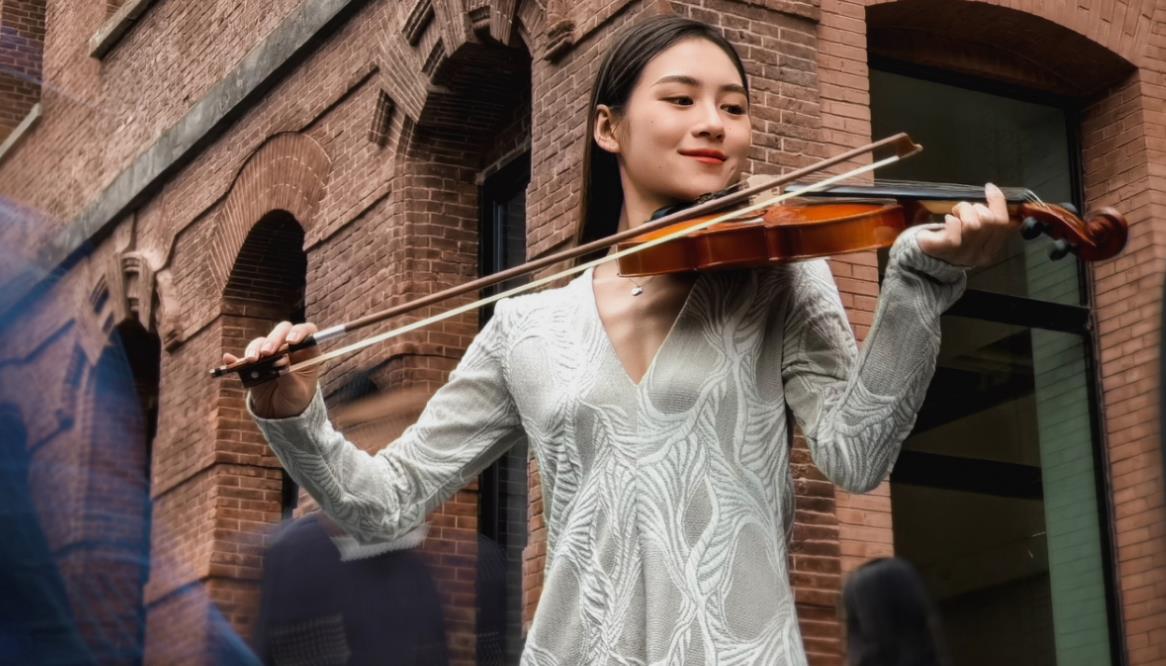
x,y
637,290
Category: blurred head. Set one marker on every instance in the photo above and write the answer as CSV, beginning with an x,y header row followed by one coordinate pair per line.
x,y
890,618
669,121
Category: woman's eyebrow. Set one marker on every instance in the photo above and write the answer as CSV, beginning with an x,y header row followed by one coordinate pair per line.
x,y
689,81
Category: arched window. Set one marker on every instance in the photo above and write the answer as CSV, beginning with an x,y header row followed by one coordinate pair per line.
x,y
266,286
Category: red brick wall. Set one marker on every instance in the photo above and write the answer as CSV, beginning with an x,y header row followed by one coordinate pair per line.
x,y
22,34
1124,140
122,103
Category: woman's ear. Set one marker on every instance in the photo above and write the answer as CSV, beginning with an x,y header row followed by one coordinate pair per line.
x,y
605,129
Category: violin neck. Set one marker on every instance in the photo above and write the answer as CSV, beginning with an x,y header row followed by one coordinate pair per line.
x,y
925,193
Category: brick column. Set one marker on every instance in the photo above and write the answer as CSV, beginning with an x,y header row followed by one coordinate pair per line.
x,y
1124,146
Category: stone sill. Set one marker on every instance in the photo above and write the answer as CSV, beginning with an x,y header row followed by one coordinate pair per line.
x,y
116,27
23,128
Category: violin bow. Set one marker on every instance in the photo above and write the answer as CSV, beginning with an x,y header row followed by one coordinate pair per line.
x,y
257,372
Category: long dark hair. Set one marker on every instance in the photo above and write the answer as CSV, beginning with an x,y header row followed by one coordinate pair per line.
x,y
619,72
890,618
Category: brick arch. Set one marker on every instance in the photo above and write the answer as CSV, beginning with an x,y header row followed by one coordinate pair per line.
x,y
476,87
289,172
1065,51
429,47
1072,53
1120,27
265,284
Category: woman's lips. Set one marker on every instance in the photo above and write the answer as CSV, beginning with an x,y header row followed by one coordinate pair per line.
x,y
706,156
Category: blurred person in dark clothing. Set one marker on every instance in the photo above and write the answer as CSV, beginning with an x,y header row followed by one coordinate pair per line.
x,y
37,624
890,618
361,603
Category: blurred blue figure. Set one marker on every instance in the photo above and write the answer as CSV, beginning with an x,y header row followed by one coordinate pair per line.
x,y
95,614
36,622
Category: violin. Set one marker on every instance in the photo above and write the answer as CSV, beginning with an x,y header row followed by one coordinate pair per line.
x,y
839,220
733,231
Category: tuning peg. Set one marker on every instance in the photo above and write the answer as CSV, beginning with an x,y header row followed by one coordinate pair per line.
x,y
1070,207
1031,228
1059,249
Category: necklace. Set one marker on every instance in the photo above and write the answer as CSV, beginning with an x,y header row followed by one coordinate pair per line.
x,y
639,286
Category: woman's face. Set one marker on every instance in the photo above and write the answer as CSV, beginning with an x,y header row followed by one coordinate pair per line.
x,y
685,129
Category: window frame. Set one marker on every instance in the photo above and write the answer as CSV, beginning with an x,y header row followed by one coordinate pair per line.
x,y
1047,315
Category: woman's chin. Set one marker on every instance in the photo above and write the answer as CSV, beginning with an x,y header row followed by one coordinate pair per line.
x,y
718,182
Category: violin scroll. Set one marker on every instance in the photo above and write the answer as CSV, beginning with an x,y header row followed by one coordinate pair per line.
x,y
1102,236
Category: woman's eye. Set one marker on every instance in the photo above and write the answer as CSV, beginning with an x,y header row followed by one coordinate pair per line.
x,y
682,101
735,109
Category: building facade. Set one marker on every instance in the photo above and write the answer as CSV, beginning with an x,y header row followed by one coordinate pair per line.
x,y
178,176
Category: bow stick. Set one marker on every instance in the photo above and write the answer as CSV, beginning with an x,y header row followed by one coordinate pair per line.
x,y
257,372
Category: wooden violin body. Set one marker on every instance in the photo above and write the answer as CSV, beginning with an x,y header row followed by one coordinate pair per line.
x,y
863,219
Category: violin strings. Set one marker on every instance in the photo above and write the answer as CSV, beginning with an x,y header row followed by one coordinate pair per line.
x,y
962,189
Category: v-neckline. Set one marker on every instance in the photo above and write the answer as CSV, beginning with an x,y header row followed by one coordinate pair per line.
x,y
590,284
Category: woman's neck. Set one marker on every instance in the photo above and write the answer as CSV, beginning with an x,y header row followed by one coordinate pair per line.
x,y
635,213
639,206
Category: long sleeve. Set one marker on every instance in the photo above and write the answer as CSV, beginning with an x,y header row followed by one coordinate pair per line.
x,y
466,425
856,409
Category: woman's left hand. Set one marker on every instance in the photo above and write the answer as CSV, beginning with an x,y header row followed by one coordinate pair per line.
x,y
973,234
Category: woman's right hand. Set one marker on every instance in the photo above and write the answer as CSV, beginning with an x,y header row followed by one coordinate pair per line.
x,y
291,394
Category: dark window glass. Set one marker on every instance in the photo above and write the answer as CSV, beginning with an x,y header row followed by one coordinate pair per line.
x,y
996,495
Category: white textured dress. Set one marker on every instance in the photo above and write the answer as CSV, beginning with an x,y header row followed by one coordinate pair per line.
x,y
668,503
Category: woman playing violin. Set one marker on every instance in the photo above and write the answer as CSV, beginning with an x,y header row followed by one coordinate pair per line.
x,y
657,406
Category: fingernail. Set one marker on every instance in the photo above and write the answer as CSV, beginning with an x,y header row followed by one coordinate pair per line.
x,y
293,338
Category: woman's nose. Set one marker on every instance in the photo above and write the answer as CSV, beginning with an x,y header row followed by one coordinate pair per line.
x,y
710,123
